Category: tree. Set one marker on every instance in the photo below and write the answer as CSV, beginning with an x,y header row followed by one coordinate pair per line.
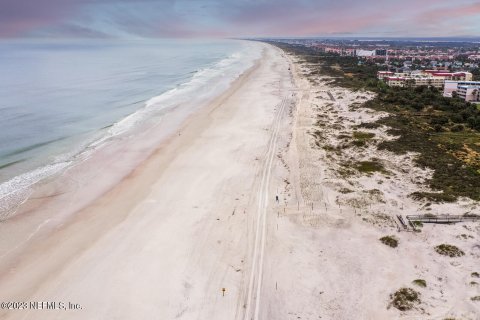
x,y
409,83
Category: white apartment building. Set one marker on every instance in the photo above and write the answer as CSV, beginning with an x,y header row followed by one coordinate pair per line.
x,y
466,90
395,81
415,81
460,76
382,74
469,93
431,78
436,82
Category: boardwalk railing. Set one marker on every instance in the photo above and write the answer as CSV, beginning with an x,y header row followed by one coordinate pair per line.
x,y
443,218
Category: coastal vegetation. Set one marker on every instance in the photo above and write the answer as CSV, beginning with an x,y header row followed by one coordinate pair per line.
x,y
444,132
390,241
449,250
417,224
370,166
420,282
405,299
361,138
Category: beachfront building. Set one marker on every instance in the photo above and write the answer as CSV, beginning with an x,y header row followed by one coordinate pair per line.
x,y
365,53
382,74
466,90
469,93
459,76
434,81
395,81
431,78
452,86
416,80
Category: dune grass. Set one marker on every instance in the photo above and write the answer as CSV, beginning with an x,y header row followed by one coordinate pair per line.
x,y
449,250
420,282
405,299
390,241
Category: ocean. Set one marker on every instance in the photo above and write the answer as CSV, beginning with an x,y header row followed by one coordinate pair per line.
x,y
62,99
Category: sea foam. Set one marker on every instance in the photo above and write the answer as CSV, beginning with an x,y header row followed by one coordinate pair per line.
x,y
204,84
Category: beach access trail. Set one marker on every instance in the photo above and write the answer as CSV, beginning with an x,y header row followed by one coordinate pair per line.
x,y
184,236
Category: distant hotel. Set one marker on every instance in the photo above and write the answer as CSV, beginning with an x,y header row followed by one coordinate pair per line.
x,y
465,90
458,84
354,52
432,78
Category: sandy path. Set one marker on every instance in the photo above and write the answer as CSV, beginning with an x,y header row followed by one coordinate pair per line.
x,y
253,302
187,223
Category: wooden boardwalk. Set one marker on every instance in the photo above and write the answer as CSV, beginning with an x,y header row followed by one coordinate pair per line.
x,y
443,218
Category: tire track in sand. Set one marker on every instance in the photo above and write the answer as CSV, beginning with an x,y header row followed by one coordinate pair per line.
x,y
256,273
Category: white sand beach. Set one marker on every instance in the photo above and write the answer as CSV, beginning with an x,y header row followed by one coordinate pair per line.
x,y
164,241
200,215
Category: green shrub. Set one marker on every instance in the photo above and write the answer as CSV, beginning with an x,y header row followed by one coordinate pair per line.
x,y
449,250
361,135
420,282
370,166
417,224
390,241
369,125
433,196
405,299
457,128
359,143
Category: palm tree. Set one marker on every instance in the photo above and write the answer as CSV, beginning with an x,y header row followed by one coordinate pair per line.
x,y
475,95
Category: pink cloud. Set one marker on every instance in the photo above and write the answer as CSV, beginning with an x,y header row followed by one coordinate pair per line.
x,y
316,19
449,13
219,18
21,16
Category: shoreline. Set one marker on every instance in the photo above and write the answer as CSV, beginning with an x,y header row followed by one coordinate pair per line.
x,y
47,198
48,192
168,109
36,271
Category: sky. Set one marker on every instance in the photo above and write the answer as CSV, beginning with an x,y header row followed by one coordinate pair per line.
x,y
238,18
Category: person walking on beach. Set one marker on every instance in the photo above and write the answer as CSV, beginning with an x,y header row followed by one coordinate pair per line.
x,y
276,198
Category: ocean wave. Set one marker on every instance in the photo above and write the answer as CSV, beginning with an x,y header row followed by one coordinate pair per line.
x,y
32,147
15,191
204,84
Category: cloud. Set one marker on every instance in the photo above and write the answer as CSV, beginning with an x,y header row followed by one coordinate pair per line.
x,y
71,30
193,18
449,12
20,16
